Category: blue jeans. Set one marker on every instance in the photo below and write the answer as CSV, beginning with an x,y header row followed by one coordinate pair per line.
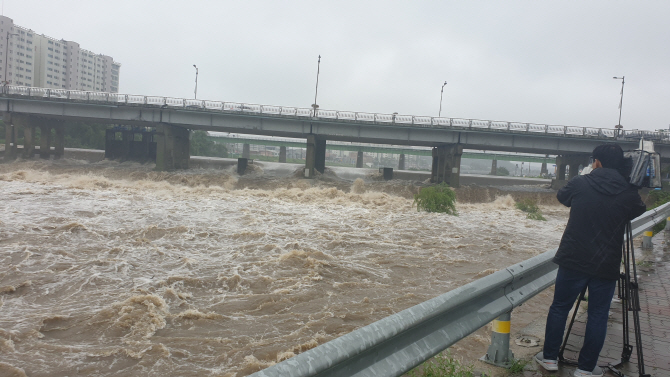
x,y
569,284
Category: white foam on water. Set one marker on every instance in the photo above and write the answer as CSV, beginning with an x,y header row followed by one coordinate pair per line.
x,y
118,270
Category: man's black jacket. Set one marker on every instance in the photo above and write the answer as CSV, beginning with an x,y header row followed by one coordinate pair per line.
x,y
601,203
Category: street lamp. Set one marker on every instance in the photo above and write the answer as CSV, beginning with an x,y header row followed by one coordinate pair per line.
x,y
6,82
441,91
623,81
196,81
318,68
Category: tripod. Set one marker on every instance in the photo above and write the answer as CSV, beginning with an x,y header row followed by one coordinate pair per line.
x,y
630,301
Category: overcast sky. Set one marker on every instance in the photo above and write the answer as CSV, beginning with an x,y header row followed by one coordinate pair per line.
x,y
528,61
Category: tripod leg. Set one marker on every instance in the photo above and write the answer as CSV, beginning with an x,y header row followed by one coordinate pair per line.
x,y
572,321
635,305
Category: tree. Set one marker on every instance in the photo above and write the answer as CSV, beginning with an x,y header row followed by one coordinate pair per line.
x,y
203,145
502,171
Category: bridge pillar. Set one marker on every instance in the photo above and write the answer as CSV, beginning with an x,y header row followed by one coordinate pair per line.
x,y
45,140
570,160
28,123
543,169
127,137
494,167
359,159
315,160
282,154
172,147
447,164
11,136
59,139
401,162
246,150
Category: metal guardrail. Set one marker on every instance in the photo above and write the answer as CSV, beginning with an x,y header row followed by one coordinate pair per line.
x,y
347,116
398,343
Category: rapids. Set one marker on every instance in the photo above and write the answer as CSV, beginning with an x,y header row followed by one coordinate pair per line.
x,y
112,269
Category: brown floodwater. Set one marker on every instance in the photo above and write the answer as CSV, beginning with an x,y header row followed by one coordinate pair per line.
x,y
111,269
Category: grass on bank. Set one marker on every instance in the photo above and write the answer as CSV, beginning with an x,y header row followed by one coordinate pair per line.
x,y
439,198
530,207
658,198
445,365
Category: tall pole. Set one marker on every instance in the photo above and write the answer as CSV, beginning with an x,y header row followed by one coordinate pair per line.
x,y
623,81
318,69
441,91
196,81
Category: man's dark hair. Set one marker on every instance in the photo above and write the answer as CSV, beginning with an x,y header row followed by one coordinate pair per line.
x,y
610,155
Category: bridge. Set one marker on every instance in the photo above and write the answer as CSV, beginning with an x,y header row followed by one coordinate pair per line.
x,y
28,108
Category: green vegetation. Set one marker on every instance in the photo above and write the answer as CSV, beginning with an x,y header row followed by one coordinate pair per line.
x,y
86,136
443,366
438,198
204,145
502,171
517,366
658,198
530,206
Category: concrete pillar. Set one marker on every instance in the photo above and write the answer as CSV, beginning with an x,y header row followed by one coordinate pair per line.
x,y
127,138
543,169
499,353
28,124
359,159
242,165
282,154
59,138
447,164
401,162
387,173
45,140
494,167
11,135
172,147
315,160
246,150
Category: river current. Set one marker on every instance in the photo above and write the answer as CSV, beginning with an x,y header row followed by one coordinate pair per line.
x,y
111,269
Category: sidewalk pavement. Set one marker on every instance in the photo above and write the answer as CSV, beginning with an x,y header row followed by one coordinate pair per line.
x,y
653,270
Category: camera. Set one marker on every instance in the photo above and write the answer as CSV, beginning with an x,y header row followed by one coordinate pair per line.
x,y
642,166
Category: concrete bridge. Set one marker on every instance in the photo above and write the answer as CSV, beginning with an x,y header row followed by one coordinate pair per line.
x,y
172,118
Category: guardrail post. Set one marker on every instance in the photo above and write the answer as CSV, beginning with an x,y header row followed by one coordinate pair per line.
x,y
499,353
646,240
667,224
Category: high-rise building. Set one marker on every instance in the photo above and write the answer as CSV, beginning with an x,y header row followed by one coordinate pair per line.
x,y
31,59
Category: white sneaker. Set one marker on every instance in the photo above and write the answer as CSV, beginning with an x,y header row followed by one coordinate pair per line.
x,y
550,365
597,372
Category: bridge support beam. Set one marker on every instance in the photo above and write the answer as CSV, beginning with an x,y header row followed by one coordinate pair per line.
x,y
45,140
359,159
172,147
282,154
59,138
401,162
11,136
573,161
28,123
543,169
447,164
246,150
315,160
494,167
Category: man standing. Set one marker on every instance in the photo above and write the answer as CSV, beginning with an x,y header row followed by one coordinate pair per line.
x,y
589,255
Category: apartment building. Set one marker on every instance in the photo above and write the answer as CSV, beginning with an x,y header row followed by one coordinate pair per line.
x,y
37,60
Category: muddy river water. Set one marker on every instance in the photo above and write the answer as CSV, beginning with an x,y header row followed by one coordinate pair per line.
x,y
110,269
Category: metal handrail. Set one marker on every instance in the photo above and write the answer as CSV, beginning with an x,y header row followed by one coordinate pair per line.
x,y
398,343
325,115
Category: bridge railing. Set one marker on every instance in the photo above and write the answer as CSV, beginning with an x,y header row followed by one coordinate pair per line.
x,y
382,119
398,343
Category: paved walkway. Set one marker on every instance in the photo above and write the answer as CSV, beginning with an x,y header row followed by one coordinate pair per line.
x,y
653,268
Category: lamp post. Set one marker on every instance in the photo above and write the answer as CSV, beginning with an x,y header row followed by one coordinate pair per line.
x,y
619,127
441,91
6,82
196,81
318,68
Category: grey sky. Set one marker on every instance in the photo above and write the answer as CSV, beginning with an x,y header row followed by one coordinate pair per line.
x,y
527,61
